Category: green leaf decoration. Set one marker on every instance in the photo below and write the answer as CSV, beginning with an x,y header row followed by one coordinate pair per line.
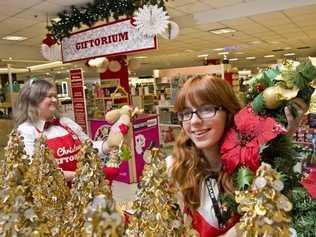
x,y
125,153
91,13
244,178
258,103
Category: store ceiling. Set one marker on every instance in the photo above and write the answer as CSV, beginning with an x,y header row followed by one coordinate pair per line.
x,y
263,27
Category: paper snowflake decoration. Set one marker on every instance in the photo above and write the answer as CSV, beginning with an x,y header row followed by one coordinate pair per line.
x,y
151,20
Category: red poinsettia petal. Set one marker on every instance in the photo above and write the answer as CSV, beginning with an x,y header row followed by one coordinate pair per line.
x,y
267,130
246,120
309,184
230,140
249,156
231,159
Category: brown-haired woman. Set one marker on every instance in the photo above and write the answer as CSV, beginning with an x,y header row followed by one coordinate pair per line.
x,y
205,107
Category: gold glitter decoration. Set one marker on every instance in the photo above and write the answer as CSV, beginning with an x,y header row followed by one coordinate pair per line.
x,y
17,212
101,220
88,183
157,212
49,189
264,210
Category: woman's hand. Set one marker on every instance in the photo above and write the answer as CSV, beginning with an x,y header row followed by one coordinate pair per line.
x,y
293,121
69,175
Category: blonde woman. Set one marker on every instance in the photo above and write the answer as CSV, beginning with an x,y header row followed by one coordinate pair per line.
x,y
36,112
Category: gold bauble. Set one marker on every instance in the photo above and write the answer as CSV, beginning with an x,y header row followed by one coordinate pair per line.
x,y
274,95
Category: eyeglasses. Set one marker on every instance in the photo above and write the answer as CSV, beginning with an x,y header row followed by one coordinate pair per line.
x,y
204,112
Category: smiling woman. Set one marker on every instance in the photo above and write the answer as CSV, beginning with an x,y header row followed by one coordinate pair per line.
x,y
37,113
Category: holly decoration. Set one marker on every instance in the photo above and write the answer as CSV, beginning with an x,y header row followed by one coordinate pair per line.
x,y
99,10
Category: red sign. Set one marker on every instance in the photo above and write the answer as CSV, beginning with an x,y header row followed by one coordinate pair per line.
x,y
115,38
78,98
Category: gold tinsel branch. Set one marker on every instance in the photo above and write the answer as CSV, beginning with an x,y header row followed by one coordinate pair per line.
x,y
89,182
156,210
17,211
265,210
49,189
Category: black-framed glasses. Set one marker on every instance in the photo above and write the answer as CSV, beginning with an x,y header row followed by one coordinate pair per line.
x,y
204,112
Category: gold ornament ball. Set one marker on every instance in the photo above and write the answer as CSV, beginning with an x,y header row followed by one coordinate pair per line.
x,y
271,98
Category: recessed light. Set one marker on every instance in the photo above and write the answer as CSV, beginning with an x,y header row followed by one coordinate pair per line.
x,y
223,53
219,49
287,48
222,31
269,56
189,50
289,54
14,38
239,53
255,42
233,59
274,42
140,57
250,58
202,55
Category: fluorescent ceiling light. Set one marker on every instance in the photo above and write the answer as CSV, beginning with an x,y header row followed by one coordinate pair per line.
x,y
140,57
233,59
250,58
202,55
222,31
269,56
14,38
287,47
219,49
289,54
223,53
239,53
255,42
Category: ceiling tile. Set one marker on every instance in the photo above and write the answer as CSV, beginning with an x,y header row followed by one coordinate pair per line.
x,y
194,7
301,11
222,3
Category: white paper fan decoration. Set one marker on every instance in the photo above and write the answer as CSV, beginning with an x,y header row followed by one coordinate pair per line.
x,y
172,31
52,53
151,20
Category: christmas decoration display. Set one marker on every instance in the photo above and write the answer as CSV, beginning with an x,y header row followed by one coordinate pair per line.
x,y
91,13
157,212
259,135
17,212
101,219
172,31
88,183
265,211
50,49
151,20
48,188
101,64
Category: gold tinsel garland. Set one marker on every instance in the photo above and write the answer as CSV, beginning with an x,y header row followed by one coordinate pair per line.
x,y
265,210
157,212
17,211
88,183
49,189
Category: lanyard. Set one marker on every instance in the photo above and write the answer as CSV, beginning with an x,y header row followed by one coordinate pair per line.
x,y
215,202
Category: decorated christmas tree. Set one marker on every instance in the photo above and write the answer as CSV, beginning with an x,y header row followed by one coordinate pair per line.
x,y
48,187
264,210
101,219
157,212
88,183
259,135
17,212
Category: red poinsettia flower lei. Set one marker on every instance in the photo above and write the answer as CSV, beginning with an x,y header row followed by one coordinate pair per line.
x,y
241,144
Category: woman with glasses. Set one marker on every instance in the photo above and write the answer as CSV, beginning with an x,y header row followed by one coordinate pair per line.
x,y
205,107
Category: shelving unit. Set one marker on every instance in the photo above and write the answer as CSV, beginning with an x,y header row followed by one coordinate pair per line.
x,y
110,95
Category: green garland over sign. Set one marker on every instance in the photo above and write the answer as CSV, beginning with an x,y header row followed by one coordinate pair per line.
x,y
97,11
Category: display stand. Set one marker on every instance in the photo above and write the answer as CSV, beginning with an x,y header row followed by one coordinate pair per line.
x,y
144,132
